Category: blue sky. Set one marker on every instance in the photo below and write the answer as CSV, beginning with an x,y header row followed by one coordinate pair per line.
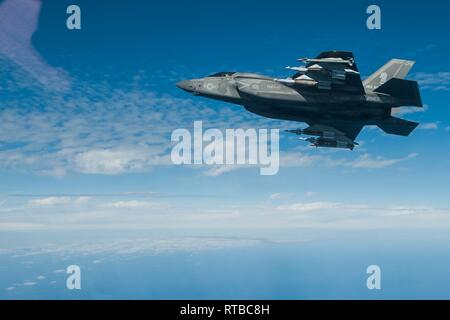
x,y
86,118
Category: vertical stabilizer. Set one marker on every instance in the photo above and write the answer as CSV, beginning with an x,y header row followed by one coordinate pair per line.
x,y
395,68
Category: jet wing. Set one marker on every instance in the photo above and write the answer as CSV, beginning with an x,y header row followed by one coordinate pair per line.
x,y
330,70
336,134
350,130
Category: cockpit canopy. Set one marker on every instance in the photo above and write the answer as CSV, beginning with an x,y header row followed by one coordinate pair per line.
x,y
221,74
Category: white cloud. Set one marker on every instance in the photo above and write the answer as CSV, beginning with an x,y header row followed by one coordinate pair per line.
x,y
217,170
302,207
53,201
428,126
279,212
109,161
54,172
309,206
59,271
299,159
275,196
50,201
310,194
29,283
134,246
133,204
20,226
436,81
409,110
369,162
41,277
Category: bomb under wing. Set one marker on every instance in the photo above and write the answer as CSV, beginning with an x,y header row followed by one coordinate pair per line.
x,y
326,92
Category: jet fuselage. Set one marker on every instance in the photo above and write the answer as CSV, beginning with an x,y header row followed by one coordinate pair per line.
x,y
270,98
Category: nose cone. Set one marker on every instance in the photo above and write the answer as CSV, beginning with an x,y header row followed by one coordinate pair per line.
x,y
186,85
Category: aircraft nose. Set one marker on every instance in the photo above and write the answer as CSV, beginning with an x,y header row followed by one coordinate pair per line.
x,y
186,85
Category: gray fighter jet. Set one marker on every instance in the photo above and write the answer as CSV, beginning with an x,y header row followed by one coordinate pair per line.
x,y
326,92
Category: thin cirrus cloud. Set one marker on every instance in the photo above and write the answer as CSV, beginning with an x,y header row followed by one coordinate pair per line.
x,y
367,161
364,161
435,81
18,22
291,159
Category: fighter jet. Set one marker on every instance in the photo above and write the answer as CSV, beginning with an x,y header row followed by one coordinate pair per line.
x,y
325,92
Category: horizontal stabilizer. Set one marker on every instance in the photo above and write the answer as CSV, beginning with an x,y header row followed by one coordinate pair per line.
x,y
405,91
397,126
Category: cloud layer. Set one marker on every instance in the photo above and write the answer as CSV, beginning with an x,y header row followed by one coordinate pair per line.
x,y
277,211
